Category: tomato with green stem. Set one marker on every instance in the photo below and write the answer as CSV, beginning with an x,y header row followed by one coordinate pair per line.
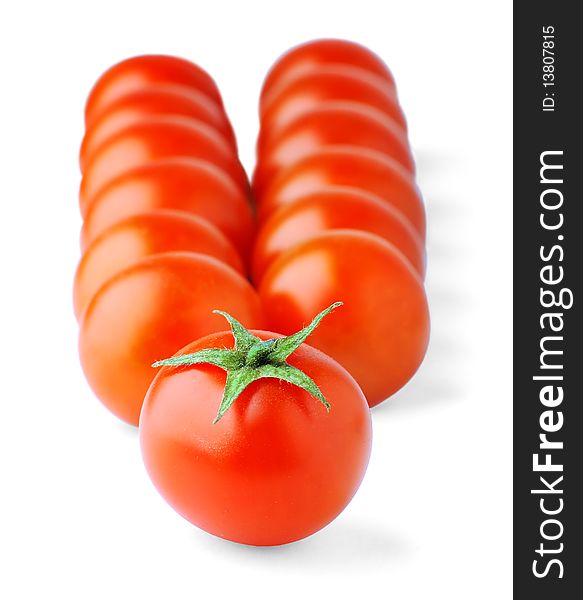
x,y
255,438
330,83
137,72
153,139
150,310
332,208
194,186
330,123
382,332
148,102
320,52
143,235
350,166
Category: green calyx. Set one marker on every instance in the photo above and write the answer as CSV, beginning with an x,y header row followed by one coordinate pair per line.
x,y
253,359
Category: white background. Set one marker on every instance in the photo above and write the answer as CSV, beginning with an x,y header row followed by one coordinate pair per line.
x,y
79,517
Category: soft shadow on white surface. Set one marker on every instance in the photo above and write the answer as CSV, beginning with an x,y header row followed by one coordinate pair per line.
x,y
433,386
344,544
444,254
437,383
431,162
442,209
447,302
126,429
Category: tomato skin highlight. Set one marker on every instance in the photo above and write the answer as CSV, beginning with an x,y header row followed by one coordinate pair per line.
x,y
276,468
143,235
190,185
330,123
349,166
137,72
330,83
149,102
320,52
150,310
152,139
381,334
334,208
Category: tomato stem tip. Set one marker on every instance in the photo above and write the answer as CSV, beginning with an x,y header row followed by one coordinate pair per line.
x,y
253,358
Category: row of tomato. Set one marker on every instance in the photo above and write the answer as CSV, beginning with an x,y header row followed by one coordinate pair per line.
x,y
332,154
172,232
168,224
340,216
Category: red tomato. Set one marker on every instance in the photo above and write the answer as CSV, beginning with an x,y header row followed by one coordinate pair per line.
x,y
152,139
135,73
142,235
331,123
151,101
335,208
330,83
316,53
381,333
148,312
350,166
193,186
276,468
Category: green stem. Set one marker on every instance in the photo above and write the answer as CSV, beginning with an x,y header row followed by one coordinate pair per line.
x,y
252,359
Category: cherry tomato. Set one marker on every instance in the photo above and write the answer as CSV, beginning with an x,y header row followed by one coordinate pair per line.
x,y
331,123
151,139
351,166
316,53
148,312
381,333
193,186
142,235
330,83
150,101
276,468
135,73
335,208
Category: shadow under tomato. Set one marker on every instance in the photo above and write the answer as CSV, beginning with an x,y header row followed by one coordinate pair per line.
x,y
342,544
433,385
430,163
440,379
130,431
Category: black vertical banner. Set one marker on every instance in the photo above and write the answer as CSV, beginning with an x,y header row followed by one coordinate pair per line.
x,y
548,301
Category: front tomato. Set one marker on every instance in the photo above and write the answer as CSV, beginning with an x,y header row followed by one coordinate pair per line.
x,y
277,466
